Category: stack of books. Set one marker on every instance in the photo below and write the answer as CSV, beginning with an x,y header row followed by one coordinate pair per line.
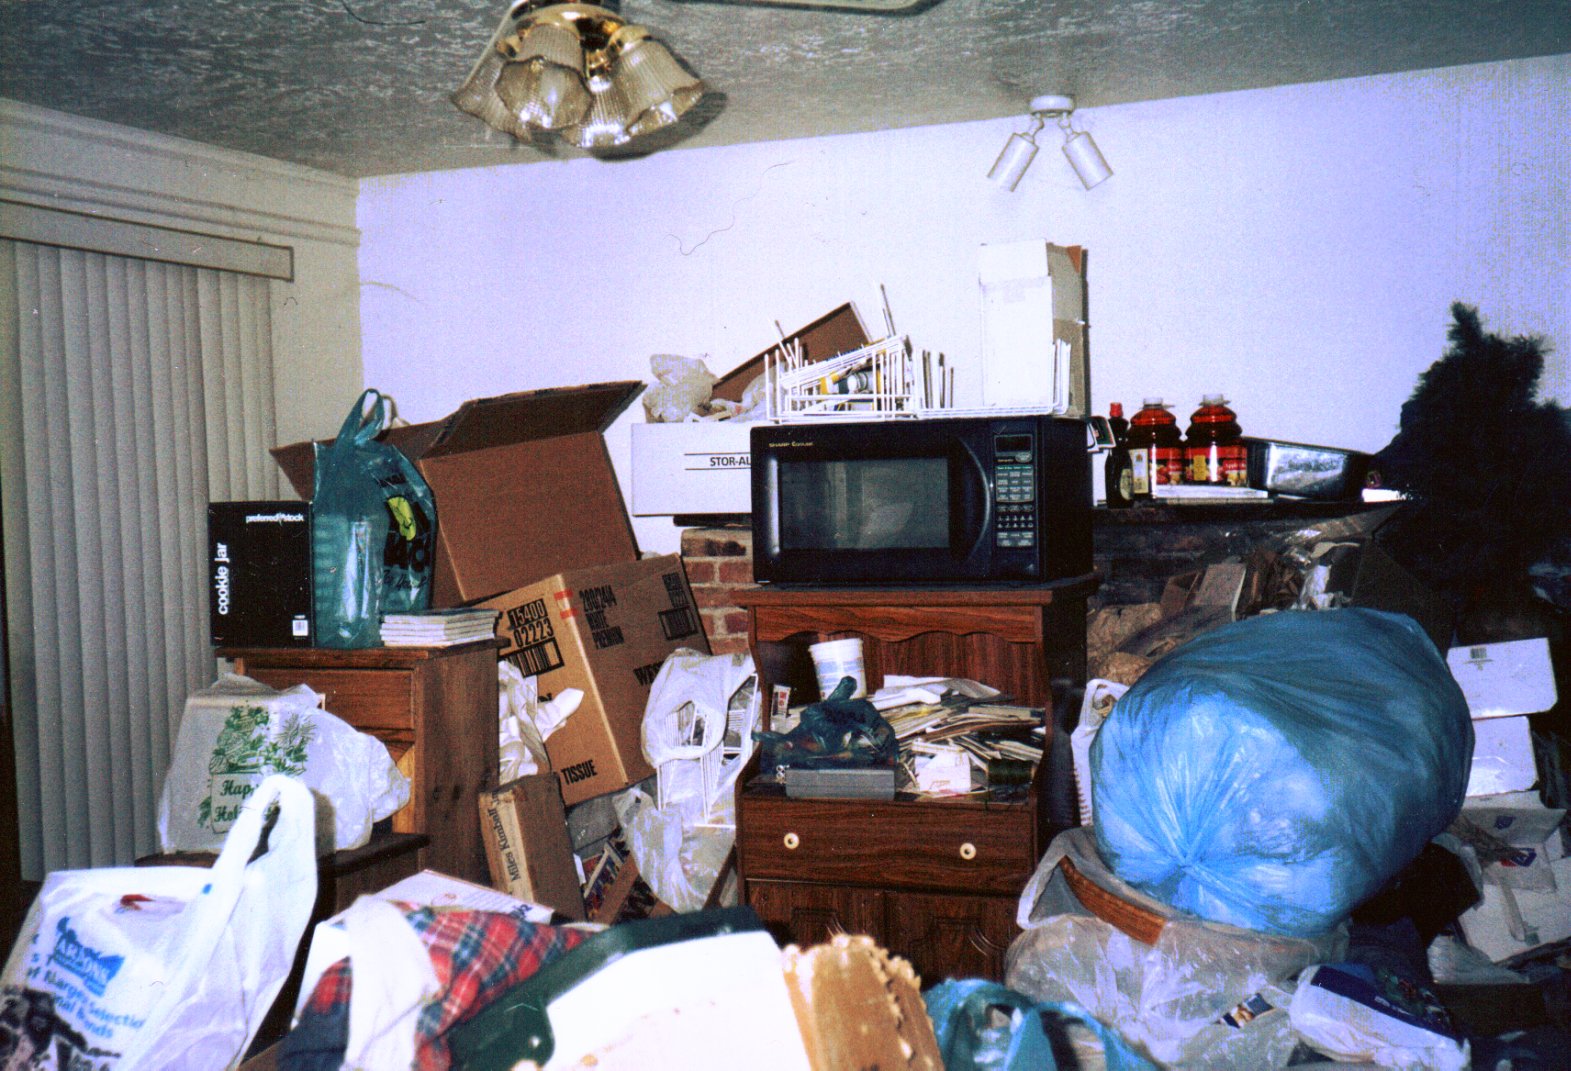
x,y
438,628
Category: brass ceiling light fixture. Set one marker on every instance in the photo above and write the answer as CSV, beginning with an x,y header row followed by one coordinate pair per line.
x,y
579,71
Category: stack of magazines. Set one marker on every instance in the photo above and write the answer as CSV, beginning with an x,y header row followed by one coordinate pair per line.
x,y
438,628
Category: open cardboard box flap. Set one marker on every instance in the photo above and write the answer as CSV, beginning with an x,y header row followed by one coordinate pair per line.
x,y
531,415
523,483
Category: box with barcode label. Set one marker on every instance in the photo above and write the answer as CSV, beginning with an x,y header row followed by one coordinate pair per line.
x,y
259,574
604,631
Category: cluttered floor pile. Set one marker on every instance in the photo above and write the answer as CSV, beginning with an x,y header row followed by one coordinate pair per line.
x,y
1290,848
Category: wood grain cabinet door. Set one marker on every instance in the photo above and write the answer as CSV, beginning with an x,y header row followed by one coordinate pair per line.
x,y
806,913
949,935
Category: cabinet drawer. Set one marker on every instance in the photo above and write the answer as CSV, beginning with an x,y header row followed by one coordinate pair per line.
x,y
897,844
376,701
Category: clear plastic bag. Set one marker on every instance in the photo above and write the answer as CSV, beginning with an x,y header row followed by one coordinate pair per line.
x,y
679,853
698,723
238,731
697,734
682,388
1166,998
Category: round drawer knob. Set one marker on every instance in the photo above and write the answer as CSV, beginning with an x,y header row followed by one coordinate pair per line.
x,y
792,841
968,851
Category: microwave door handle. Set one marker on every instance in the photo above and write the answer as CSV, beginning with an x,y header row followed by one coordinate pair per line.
x,y
979,501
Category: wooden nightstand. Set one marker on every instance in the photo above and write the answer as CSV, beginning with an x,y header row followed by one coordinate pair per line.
x,y
934,881
434,707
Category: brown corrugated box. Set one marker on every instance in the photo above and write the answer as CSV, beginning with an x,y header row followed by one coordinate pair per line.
x,y
526,844
523,483
604,630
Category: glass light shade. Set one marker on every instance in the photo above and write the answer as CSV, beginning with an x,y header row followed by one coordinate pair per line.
x,y
549,41
1086,159
605,126
479,98
1011,164
658,88
542,94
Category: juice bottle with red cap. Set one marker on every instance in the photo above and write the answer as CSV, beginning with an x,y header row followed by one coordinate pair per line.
x,y
1156,449
1214,451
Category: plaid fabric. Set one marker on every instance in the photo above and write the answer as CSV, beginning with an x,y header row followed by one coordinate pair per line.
x,y
477,955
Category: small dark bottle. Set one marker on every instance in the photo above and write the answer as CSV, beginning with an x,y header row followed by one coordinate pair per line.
x,y
1119,472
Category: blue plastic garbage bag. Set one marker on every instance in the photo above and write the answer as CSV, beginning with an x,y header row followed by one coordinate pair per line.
x,y
1274,773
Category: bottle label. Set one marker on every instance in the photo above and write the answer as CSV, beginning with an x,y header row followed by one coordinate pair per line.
x,y
1167,466
1218,463
1140,471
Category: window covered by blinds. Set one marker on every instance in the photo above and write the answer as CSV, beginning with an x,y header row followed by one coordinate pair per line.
x,y
134,392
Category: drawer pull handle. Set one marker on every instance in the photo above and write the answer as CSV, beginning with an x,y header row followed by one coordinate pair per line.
x,y
792,842
968,851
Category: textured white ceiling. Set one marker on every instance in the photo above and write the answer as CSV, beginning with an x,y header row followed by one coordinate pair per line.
x,y
360,87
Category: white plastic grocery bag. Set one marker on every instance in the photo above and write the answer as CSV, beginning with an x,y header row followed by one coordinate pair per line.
x,y
174,968
237,731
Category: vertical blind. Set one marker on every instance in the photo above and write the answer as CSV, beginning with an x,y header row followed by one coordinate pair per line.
x,y
134,392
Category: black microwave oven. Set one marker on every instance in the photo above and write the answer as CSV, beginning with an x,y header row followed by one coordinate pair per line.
x,y
966,500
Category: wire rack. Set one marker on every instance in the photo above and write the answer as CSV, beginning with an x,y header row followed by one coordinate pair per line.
x,y
877,381
880,381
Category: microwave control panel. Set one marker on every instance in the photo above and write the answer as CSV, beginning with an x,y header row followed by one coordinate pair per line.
x,y
1014,490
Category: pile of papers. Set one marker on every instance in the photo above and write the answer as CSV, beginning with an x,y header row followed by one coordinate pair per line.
x,y
987,731
948,728
438,628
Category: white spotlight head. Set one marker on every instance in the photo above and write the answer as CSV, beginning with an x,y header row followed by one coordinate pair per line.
x,y
1086,159
1010,167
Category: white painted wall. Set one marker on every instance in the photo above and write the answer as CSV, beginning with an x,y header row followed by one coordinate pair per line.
x,y
1295,248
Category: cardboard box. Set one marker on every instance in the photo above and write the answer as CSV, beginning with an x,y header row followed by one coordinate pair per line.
x,y
523,484
259,574
1510,921
1533,836
526,844
1502,679
1033,299
838,331
1502,756
605,631
699,467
